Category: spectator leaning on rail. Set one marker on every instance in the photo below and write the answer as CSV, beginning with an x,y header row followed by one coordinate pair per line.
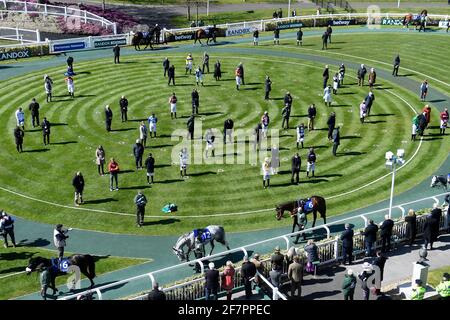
x,y
386,233
312,255
212,281
277,259
347,244
156,294
370,237
228,279
411,226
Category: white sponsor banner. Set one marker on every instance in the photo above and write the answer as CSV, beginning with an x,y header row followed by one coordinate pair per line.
x,y
238,31
443,24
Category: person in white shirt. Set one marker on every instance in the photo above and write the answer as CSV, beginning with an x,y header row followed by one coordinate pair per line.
x,y
20,118
143,133
183,162
152,120
210,142
266,171
70,86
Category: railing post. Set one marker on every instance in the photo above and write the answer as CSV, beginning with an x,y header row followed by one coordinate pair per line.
x,y
38,36
45,9
85,16
336,251
25,8
275,294
287,242
403,211
327,229
152,278
100,297
202,267
436,200
115,28
245,251
366,221
17,33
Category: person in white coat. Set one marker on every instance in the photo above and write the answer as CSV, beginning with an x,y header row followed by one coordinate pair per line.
x,y
266,169
59,239
327,95
362,111
143,133
70,86
183,162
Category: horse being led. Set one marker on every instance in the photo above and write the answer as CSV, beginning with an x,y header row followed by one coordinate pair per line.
x,y
314,204
143,38
197,239
438,181
56,268
210,35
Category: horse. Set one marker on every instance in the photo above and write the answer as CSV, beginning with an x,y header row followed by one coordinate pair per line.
x,y
191,241
314,204
437,181
210,35
143,38
85,262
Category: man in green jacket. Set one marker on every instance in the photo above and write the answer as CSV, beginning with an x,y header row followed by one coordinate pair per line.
x,y
443,288
45,278
349,285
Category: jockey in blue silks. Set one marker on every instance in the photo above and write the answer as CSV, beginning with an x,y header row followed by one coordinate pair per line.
x,y
305,206
202,235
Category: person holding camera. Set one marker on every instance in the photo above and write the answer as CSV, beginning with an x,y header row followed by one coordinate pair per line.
x,y
59,239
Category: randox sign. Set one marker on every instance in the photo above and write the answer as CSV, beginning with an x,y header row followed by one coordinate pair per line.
x,y
290,25
69,46
238,31
109,43
15,54
392,22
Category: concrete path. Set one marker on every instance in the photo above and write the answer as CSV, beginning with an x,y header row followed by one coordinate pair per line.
x,y
159,248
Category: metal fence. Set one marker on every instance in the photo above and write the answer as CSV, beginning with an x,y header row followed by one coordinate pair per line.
x,y
329,250
82,16
20,35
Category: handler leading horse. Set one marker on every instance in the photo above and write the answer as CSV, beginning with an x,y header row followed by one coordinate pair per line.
x,y
314,204
210,35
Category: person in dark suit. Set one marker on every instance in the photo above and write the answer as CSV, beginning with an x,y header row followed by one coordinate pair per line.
x,y
285,113
18,136
46,131
166,65
396,65
116,51
324,40
195,101
329,32
34,108
411,226
123,102
108,117
267,87
295,168
70,62
361,73
171,74
326,76
428,235
370,237
347,244
380,261
386,233
277,259
248,271
436,213
258,134
156,294
336,137
241,69
190,126
288,99
138,152
331,123
311,116
212,281
228,126
368,101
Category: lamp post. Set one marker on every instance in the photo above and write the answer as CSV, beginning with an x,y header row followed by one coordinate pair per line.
x,y
391,163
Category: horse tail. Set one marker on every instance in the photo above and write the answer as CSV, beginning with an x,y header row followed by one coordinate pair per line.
x,y
90,266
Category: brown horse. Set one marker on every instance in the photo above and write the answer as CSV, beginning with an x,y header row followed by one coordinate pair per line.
x,y
314,204
210,35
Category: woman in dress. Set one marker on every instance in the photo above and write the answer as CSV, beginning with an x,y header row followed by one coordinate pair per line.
x,y
100,160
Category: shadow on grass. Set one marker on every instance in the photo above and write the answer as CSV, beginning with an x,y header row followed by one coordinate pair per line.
x,y
350,153
170,181
123,129
37,150
350,137
39,242
63,142
136,187
198,174
161,222
97,201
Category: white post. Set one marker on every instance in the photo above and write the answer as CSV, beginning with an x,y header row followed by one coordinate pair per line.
x,y
25,7
398,4
392,188
336,251
115,28
17,33
85,16
207,8
38,35
275,294
45,9
65,13
289,8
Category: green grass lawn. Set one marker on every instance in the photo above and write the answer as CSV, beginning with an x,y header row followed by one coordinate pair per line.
x,y
45,173
435,276
15,260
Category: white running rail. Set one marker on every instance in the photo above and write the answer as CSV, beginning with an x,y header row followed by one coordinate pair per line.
x,y
20,35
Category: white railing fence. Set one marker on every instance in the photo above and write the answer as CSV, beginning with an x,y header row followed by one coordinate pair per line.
x,y
329,250
74,14
20,35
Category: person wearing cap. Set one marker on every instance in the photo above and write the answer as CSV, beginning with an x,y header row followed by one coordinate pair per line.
x,y
267,87
418,291
295,274
327,98
364,277
349,285
277,259
140,201
266,169
20,118
7,228
361,74
108,117
59,239
443,288
48,85
156,294
78,184
143,133
248,272
212,281
189,62
347,245
123,102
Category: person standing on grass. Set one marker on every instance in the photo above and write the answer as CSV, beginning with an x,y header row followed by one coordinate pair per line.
x,y
7,228
349,285
143,133
195,101
78,184
331,123
45,125
166,65
20,118
312,112
241,69
267,87
372,78
327,96
295,168
108,117
288,99
258,135
70,62
228,279
140,201
100,160
113,168
198,75
361,73
150,166
70,86
152,121
18,136
325,76
205,62
300,37
183,162
265,120
255,37
311,162
123,102
329,32
34,108
444,121
266,171
190,126
238,74
368,101
171,75
427,113
48,86
276,36
285,113
116,51
228,126
325,40
335,83
295,274
189,62
138,152
209,142
173,105
59,239
415,126
336,137
300,135
396,65
423,90
217,71
341,74
347,244
362,111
